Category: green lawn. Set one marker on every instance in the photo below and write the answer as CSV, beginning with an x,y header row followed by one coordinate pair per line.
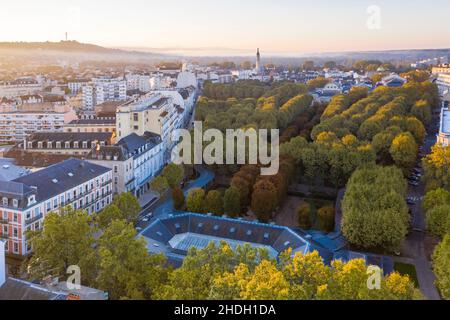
x,y
407,269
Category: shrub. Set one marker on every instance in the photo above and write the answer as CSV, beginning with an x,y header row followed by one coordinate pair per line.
x,y
325,219
304,216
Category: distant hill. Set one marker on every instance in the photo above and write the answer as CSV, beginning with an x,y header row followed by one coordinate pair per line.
x,y
73,47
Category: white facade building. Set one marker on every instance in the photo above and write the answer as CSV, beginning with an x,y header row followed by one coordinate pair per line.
x,y
102,90
443,83
444,128
16,126
19,87
26,201
135,161
154,112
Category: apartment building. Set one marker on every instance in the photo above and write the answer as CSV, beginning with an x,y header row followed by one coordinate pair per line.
x,y
141,82
134,160
67,143
154,112
443,83
444,128
19,87
107,124
17,125
75,86
26,201
102,90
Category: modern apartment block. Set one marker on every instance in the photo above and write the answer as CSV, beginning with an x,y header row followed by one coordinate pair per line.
x,y
26,201
102,90
135,161
16,126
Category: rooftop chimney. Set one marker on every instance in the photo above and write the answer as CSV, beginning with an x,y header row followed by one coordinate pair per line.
x,y
2,263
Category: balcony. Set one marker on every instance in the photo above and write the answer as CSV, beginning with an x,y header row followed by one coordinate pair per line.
x,y
34,219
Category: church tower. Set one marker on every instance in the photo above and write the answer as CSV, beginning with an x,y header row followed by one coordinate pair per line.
x,y
258,62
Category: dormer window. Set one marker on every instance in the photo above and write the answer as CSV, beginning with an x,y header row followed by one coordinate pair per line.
x,y
85,144
75,145
49,145
30,145
58,145
15,203
40,145
31,200
5,201
67,144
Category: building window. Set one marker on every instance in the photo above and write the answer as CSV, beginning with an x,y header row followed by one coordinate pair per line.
x,y
16,248
15,233
15,203
15,219
135,116
5,201
116,169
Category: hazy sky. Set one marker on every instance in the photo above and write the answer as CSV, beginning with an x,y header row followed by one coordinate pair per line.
x,y
276,26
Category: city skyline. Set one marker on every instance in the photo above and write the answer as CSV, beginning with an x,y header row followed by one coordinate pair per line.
x,y
284,27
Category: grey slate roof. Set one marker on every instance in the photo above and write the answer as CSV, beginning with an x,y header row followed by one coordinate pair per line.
x,y
43,180
97,121
9,171
14,289
163,231
133,141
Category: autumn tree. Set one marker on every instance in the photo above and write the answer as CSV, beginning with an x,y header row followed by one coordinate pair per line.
x,y
196,200
264,200
174,174
441,266
232,202
325,218
404,150
304,216
214,202
375,213
178,198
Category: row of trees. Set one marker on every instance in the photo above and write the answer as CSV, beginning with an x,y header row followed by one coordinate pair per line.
x,y
375,214
436,206
118,263
220,273
437,168
329,158
392,120
275,109
262,193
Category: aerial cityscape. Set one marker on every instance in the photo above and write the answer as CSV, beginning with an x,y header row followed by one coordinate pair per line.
x,y
224,151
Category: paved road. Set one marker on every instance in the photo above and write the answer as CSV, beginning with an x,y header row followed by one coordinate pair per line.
x,y
413,251
164,206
